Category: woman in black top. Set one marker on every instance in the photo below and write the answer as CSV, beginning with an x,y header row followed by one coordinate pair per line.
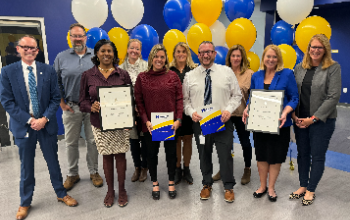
x,y
181,64
319,83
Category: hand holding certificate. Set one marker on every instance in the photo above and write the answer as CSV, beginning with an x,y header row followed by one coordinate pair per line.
x,y
211,119
265,108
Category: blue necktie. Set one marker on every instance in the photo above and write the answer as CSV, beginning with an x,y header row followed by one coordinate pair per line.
x,y
207,92
33,92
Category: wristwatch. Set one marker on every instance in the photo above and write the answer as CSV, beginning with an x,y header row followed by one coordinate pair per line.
x,y
314,119
179,119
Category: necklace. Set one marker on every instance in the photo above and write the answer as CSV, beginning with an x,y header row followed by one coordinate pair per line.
x,y
106,69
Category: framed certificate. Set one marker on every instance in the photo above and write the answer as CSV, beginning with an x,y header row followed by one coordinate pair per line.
x,y
265,108
117,107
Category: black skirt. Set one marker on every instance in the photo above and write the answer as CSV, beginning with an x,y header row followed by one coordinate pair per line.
x,y
186,126
272,148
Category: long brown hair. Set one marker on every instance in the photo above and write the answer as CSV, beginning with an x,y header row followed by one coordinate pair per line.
x,y
153,53
327,60
244,62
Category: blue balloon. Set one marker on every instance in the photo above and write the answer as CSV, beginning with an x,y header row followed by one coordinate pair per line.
x,y
94,35
282,33
239,9
300,55
177,14
148,37
221,53
194,57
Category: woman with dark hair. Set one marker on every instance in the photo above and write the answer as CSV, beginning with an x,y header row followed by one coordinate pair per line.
x,y
111,144
181,64
319,82
159,90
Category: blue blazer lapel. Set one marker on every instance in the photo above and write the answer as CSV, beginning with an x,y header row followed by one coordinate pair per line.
x,y
40,80
275,80
21,84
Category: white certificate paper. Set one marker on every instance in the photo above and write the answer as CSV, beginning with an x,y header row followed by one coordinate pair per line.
x,y
117,107
265,108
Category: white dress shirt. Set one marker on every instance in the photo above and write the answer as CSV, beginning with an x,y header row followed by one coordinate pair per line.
x,y
25,76
226,94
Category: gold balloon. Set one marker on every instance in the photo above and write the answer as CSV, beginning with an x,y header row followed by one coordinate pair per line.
x,y
254,61
171,38
289,56
69,41
197,34
309,27
120,38
206,11
241,31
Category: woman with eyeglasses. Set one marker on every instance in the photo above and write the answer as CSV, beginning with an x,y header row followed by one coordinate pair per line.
x,y
134,64
159,90
181,64
319,83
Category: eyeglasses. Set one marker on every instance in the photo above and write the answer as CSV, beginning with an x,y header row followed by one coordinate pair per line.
x,y
209,52
25,48
316,48
77,36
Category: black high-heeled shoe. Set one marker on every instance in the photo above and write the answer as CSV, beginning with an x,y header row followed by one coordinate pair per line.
x,y
259,195
156,194
172,194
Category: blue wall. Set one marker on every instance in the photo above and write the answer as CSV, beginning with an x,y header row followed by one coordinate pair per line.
x,y
58,17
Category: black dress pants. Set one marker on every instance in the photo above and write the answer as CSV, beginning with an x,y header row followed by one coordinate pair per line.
x,y
152,159
223,141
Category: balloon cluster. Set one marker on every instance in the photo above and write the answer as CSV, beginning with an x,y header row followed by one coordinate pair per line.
x,y
295,12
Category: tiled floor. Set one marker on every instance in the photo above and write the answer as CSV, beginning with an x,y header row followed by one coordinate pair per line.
x,y
332,202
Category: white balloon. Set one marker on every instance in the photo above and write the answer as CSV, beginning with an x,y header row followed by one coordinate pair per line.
x,y
128,13
218,31
294,11
185,33
90,13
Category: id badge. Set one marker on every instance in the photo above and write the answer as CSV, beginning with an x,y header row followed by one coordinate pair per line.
x,y
27,135
201,139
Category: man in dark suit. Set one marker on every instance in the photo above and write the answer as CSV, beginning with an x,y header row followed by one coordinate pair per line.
x,y
29,93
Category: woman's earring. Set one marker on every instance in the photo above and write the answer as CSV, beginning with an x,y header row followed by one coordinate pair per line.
x,y
98,59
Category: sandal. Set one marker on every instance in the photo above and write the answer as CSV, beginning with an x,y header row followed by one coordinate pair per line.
x,y
296,196
123,198
109,199
305,202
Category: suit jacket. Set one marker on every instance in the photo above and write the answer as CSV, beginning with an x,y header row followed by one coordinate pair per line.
x,y
325,90
283,80
15,100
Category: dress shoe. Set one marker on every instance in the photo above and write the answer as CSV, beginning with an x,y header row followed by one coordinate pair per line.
x,y
305,202
178,175
229,195
205,193
69,201
259,195
70,182
172,194
96,180
156,194
187,175
273,198
136,174
22,212
217,176
143,175
246,176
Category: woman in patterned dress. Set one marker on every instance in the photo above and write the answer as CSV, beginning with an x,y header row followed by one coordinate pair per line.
x,y
110,144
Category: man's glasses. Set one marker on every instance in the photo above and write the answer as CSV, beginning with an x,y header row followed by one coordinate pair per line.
x,y
28,48
77,36
316,48
209,52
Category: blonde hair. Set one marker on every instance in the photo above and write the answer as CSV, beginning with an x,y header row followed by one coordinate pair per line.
x,y
277,50
153,53
130,41
244,62
327,60
189,61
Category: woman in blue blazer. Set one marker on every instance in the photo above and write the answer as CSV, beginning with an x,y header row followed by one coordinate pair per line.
x,y
271,149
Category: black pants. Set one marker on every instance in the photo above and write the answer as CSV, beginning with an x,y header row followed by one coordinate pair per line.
x,y
243,136
138,151
152,159
223,141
